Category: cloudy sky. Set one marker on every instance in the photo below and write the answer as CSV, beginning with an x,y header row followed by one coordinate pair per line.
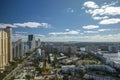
x,y
62,20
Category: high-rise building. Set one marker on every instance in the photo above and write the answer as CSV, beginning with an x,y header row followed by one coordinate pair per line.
x,y
31,42
18,49
9,31
38,43
5,47
31,37
26,48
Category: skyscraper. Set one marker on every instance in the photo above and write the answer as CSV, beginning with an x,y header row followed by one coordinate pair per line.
x,y
31,42
38,43
26,48
9,32
18,49
5,47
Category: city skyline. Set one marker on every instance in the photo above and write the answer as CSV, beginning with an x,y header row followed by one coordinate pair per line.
x,y
61,21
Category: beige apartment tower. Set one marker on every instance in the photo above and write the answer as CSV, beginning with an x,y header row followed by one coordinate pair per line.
x,y
5,47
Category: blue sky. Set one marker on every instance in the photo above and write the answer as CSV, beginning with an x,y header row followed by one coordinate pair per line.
x,y
62,20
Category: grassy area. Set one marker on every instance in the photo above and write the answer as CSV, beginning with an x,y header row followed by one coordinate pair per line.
x,y
89,59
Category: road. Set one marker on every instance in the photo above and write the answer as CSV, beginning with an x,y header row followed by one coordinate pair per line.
x,y
17,69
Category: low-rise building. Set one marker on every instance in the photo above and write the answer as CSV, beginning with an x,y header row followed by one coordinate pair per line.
x,y
68,67
101,67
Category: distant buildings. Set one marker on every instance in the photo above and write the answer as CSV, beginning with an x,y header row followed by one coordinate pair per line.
x,y
91,48
113,49
5,47
18,49
32,43
68,49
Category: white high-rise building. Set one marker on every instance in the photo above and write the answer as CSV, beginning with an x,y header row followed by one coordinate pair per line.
x,y
26,48
18,49
5,47
38,43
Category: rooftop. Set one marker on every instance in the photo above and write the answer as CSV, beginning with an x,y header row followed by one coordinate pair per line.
x,y
115,57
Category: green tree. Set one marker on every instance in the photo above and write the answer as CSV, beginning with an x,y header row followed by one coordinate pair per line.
x,y
65,77
55,60
49,61
81,72
28,77
45,62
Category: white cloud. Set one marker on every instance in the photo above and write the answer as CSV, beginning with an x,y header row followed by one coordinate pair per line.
x,y
2,25
26,24
90,4
90,27
104,12
32,24
110,21
111,4
16,37
70,10
106,9
39,35
102,30
70,32
73,32
99,18
18,32
67,29
84,38
45,25
97,31
112,11
95,12
90,31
